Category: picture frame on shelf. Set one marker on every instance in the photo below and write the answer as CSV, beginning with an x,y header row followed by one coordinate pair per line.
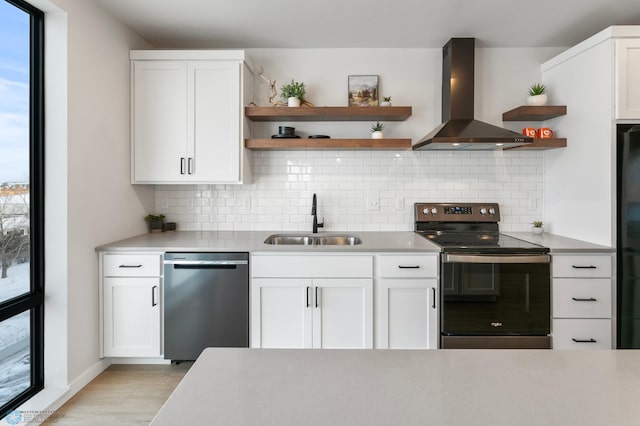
x,y
363,90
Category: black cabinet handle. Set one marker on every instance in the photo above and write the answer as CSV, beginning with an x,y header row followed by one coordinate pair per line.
x,y
153,295
409,267
190,165
130,266
591,299
583,341
584,267
317,297
433,291
308,288
181,165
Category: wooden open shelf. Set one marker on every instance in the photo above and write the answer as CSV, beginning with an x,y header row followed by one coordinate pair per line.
x,y
399,113
286,144
542,144
534,113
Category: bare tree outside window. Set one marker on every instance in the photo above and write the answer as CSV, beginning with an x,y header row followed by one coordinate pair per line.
x,y
14,225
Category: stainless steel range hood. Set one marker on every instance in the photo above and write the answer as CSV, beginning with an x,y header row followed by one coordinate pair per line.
x,y
459,130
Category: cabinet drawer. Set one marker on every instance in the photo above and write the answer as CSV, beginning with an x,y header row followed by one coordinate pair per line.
x,y
132,265
315,266
408,266
581,334
582,266
581,298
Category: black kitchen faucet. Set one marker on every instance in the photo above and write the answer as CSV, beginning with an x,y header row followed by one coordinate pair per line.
x,y
314,206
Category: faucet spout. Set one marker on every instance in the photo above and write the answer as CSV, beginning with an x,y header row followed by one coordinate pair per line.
x,y
314,209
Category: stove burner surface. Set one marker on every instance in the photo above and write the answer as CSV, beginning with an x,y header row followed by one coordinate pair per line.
x,y
481,242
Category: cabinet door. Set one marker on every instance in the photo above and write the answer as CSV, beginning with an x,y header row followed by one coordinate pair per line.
x,y
132,317
343,313
214,99
627,81
159,121
281,313
407,314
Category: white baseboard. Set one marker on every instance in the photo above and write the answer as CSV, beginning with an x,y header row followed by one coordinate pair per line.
x,y
160,361
48,400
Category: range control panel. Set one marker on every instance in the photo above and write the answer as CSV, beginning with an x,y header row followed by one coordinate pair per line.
x,y
455,212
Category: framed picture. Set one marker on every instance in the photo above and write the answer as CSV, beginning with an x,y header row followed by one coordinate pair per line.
x,y
363,90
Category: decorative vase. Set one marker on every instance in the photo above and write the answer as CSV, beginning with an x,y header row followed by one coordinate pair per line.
x,y
537,100
537,230
385,103
293,102
377,135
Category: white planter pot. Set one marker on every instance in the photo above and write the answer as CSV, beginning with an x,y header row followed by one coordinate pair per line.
x,y
384,103
293,102
537,100
537,231
377,135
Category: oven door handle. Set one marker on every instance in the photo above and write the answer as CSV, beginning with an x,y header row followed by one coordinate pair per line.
x,y
510,258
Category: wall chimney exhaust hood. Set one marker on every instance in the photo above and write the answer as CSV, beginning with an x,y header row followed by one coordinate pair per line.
x,y
459,130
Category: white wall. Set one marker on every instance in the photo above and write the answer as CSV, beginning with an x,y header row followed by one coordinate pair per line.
x,y
89,198
280,197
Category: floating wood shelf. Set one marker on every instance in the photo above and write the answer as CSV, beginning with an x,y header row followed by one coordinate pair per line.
x,y
542,144
399,113
534,113
286,144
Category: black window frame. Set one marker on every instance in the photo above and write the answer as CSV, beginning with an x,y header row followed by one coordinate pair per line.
x,y
34,300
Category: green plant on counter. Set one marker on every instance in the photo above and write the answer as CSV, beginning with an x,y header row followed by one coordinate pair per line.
x,y
154,218
386,99
537,89
537,223
377,127
293,90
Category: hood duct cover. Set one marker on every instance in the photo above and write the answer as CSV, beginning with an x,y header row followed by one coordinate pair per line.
x,y
459,130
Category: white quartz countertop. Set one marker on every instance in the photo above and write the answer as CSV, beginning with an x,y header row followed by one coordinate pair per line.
x,y
559,244
230,386
253,241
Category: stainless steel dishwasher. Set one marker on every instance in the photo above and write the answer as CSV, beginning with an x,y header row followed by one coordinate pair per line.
x,y
206,303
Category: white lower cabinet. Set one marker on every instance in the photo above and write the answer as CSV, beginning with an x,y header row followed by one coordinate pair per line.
x,y
130,290
582,300
315,301
406,292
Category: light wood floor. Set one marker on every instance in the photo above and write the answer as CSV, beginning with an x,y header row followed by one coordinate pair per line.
x,y
122,395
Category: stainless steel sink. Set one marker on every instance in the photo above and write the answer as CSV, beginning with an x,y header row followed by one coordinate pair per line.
x,y
308,240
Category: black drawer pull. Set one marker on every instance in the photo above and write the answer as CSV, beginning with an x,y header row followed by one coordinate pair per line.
x,y
130,266
584,267
591,299
409,267
153,295
583,341
308,296
433,291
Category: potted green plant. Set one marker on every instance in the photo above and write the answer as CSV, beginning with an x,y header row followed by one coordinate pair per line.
x,y
537,227
537,95
294,93
156,222
376,130
386,101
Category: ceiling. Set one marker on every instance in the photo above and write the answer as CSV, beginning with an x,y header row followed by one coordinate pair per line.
x,y
368,23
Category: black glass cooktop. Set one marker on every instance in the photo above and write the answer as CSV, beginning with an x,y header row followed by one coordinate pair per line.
x,y
490,243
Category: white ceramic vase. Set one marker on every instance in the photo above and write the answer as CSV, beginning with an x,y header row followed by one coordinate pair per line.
x,y
537,231
377,135
293,102
385,103
537,100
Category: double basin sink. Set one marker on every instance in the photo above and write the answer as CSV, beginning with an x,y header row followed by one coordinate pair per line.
x,y
313,240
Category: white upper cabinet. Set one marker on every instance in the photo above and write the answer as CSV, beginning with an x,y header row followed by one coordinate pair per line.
x,y
187,120
628,78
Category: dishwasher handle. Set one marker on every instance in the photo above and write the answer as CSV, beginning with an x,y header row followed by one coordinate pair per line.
x,y
205,264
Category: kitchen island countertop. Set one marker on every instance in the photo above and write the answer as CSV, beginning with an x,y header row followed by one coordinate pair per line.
x,y
309,387
253,241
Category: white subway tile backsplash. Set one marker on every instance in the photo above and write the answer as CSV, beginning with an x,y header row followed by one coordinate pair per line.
x,y
284,182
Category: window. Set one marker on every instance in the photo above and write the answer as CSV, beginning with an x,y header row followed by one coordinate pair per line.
x,y
21,203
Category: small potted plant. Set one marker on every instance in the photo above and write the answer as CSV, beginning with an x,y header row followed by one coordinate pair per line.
x,y
386,101
537,227
377,130
156,222
294,93
537,96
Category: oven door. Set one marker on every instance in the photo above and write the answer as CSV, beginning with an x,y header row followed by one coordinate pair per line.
x,y
495,295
